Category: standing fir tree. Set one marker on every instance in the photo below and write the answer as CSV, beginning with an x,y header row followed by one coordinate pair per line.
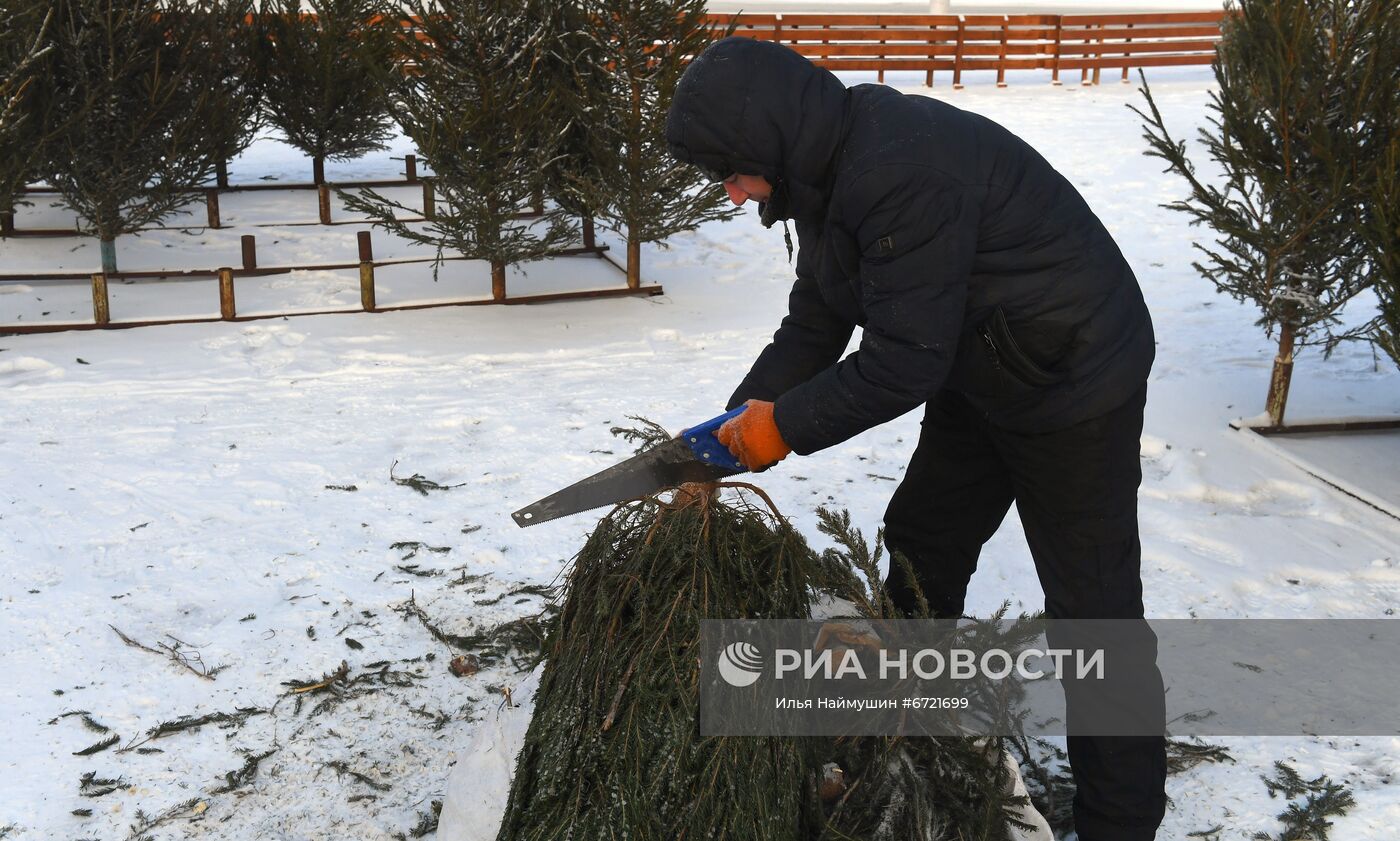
x,y
1296,80
233,48
643,47
481,105
131,91
578,70
319,72
22,50
1382,205
1384,238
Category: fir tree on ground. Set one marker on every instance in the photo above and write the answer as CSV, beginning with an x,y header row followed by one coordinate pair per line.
x,y
1297,81
934,786
483,106
23,46
319,72
614,749
131,92
642,48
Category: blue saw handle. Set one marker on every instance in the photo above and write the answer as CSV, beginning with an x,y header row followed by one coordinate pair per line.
x,y
702,441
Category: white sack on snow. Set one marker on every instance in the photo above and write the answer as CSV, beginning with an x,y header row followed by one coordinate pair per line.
x,y
480,782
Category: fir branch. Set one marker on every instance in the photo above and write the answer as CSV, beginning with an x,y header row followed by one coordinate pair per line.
x,y
438,719
646,435
428,822
184,723
521,639
413,546
411,609
343,769
339,686
244,774
419,483
98,747
526,589
145,822
1307,820
1183,756
56,719
94,725
868,591
326,681
176,651
91,785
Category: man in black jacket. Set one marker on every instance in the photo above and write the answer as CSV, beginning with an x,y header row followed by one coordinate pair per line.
x,y
987,291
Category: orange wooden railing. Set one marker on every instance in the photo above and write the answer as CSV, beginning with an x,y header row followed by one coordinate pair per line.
x,y
961,43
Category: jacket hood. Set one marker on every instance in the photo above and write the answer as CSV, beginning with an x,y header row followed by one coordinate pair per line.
x,y
759,108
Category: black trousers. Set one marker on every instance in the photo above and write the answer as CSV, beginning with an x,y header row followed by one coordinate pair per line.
x,y
1076,492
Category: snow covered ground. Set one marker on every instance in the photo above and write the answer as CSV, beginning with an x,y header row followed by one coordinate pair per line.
x,y
175,483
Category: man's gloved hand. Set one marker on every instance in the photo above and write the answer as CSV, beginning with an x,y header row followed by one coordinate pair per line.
x,y
753,437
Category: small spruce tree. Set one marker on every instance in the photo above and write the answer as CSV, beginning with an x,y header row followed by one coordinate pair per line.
x,y
319,72
233,48
131,91
578,69
479,105
23,46
1381,205
1296,80
642,48
1383,237
614,748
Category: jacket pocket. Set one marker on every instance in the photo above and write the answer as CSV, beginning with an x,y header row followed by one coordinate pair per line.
x,y
1006,354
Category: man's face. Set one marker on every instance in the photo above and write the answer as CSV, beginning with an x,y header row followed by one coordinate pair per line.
x,y
741,188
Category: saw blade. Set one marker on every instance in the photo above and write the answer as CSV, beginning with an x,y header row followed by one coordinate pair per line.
x,y
667,466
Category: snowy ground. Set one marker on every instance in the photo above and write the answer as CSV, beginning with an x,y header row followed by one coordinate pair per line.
x,y
173,482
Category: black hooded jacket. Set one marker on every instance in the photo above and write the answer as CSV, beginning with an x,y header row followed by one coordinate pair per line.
x,y
966,259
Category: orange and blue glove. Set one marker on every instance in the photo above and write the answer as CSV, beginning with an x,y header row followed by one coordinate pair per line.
x,y
753,437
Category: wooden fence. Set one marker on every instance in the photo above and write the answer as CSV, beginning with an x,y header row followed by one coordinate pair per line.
x,y
365,265
962,43
880,43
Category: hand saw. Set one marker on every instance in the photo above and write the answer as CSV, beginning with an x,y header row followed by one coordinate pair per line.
x,y
696,455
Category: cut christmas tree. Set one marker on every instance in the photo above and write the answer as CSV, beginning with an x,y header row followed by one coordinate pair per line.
x,y
614,746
